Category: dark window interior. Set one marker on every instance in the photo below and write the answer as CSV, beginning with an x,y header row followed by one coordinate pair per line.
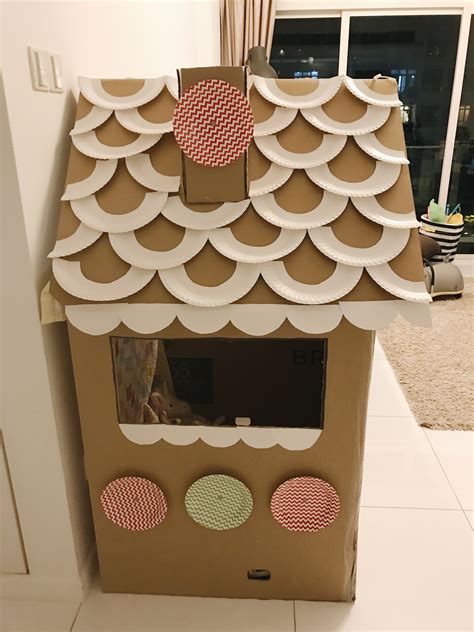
x,y
274,382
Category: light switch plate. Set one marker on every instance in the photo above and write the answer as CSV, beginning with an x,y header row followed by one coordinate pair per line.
x,y
40,69
56,73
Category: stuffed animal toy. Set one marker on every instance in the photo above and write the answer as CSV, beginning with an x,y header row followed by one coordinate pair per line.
x,y
165,408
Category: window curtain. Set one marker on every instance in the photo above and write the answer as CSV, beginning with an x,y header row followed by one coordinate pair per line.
x,y
244,24
134,361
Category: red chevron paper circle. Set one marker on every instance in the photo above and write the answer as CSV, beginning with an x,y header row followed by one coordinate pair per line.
x,y
213,123
305,504
134,503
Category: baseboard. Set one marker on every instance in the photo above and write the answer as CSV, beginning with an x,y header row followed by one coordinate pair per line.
x,y
466,264
28,587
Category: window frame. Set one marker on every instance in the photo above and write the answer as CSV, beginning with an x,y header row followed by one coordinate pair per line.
x,y
346,9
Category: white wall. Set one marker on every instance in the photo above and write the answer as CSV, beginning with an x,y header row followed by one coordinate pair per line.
x,y
105,39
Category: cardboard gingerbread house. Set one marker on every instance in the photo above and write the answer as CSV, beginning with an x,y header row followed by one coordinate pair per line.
x,y
227,246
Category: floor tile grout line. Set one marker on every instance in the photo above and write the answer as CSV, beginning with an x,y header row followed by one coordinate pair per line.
x,y
71,629
411,508
444,471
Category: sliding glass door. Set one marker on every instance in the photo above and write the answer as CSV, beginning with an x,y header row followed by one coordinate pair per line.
x,y
306,48
412,50
426,51
461,185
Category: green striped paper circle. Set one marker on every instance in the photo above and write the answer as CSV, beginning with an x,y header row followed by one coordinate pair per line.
x,y
219,502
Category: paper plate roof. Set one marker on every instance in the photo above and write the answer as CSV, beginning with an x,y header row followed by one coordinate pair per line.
x,y
327,230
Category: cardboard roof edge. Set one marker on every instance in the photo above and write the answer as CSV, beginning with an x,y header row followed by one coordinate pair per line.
x,y
328,225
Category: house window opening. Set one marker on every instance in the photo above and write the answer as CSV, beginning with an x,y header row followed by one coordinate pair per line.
x,y
220,382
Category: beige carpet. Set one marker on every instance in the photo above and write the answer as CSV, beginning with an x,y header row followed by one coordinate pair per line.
x,y
435,367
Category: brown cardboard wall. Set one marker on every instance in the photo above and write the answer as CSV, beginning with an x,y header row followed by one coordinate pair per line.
x,y
181,558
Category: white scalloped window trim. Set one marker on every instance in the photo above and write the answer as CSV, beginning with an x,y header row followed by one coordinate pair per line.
x,y
130,250
275,177
134,122
89,145
89,212
141,169
94,92
330,147
330,207
70,277
361,90
343,280
103,172
228,245
324,91
91,120
384,176
371,208
414,291
222,437
82,238
373,147
390,244
180,214
251,319
280,118
178,283
372,119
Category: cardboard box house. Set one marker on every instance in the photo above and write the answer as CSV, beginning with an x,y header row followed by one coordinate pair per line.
x,y
227,246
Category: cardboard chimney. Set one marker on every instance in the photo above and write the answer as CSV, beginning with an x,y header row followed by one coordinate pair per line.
x,y
227,247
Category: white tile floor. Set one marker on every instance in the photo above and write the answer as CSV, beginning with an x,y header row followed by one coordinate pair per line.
x,y
415,549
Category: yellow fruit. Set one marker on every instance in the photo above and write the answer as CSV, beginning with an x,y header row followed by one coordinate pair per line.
x,y
457,218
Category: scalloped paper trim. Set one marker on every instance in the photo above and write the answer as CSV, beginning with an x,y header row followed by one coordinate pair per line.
x,y
275,177
172,85
343,280
94,92
384,177
373,147
330,207
330,147
414,291
70,277
130,250
372,316
89,145
418,314
103,172
371,208
314,319
82,238
141,169
180,214
89,212
177,281
134,122
280,118
252,319
224,242
390,244
372,119
324,92
360,89
91,120
255,437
